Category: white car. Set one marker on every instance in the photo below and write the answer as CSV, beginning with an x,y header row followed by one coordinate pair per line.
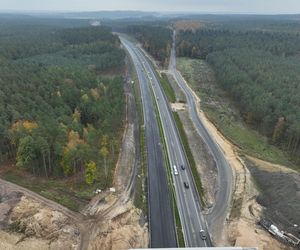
x,y
175,170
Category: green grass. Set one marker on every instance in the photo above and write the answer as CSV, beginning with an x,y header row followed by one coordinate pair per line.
x,y
164,82
169,91
179,231
167,87
189,155
73,197
222,111
71,192
247,140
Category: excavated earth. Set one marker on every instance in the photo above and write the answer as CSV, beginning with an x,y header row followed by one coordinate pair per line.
x,y
26,223
248,204
110,221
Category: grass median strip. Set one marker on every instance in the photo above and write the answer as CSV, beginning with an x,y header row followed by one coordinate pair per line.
x,y
166,87
189,155
179,232
169,91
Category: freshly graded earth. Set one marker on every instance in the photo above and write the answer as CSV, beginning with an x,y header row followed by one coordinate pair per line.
x,y
110,221
29,224
241,227
280,193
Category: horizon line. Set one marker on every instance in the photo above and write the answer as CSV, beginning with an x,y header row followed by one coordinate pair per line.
x,y
13,11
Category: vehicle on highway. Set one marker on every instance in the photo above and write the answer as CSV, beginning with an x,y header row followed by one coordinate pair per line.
x,y
182,167
186,185
175,170
202,234
191,216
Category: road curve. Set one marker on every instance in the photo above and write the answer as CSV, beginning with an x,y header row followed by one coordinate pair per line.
x,y
217,215
161,219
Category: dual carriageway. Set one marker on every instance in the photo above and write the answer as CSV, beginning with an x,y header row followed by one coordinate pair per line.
x,y
161,217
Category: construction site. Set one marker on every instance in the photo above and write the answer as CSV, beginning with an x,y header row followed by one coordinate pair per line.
x,y
283,236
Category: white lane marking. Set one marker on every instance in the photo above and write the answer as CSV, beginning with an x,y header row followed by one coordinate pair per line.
x,y
175,135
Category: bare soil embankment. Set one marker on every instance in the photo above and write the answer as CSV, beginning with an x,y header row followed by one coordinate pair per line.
x,y
110,221
204,160
122,225
28,222
205,163
241,227
279,193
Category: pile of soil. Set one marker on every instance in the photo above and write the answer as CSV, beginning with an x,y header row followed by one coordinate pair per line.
x,y
121,228
27,224
7,202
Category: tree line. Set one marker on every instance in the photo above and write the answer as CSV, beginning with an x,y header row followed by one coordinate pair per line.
x,y
58,115
157,40
261,71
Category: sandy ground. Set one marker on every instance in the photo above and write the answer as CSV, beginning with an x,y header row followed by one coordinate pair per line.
x,y
241,225
126,160
120,229
204,160
178,106
110,221
114,224
9,240
121,225
242,228
30,224
271,167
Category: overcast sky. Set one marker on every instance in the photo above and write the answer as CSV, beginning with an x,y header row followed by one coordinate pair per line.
x,y
211,6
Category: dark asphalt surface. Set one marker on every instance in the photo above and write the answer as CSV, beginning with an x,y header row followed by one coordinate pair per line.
x,y
161,219
217,215
187,198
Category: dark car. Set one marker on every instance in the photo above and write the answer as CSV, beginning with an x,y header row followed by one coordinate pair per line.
x,y
186,185
182,167
202,234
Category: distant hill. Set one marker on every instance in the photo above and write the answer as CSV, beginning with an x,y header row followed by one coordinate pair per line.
x,y
99,14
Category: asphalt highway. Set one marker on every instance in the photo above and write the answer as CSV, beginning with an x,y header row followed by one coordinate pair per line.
x,y
187,198
217,215
161,219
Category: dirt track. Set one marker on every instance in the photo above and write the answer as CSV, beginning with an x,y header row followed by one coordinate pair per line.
x,y
29,221
7,187
241,228
110,221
